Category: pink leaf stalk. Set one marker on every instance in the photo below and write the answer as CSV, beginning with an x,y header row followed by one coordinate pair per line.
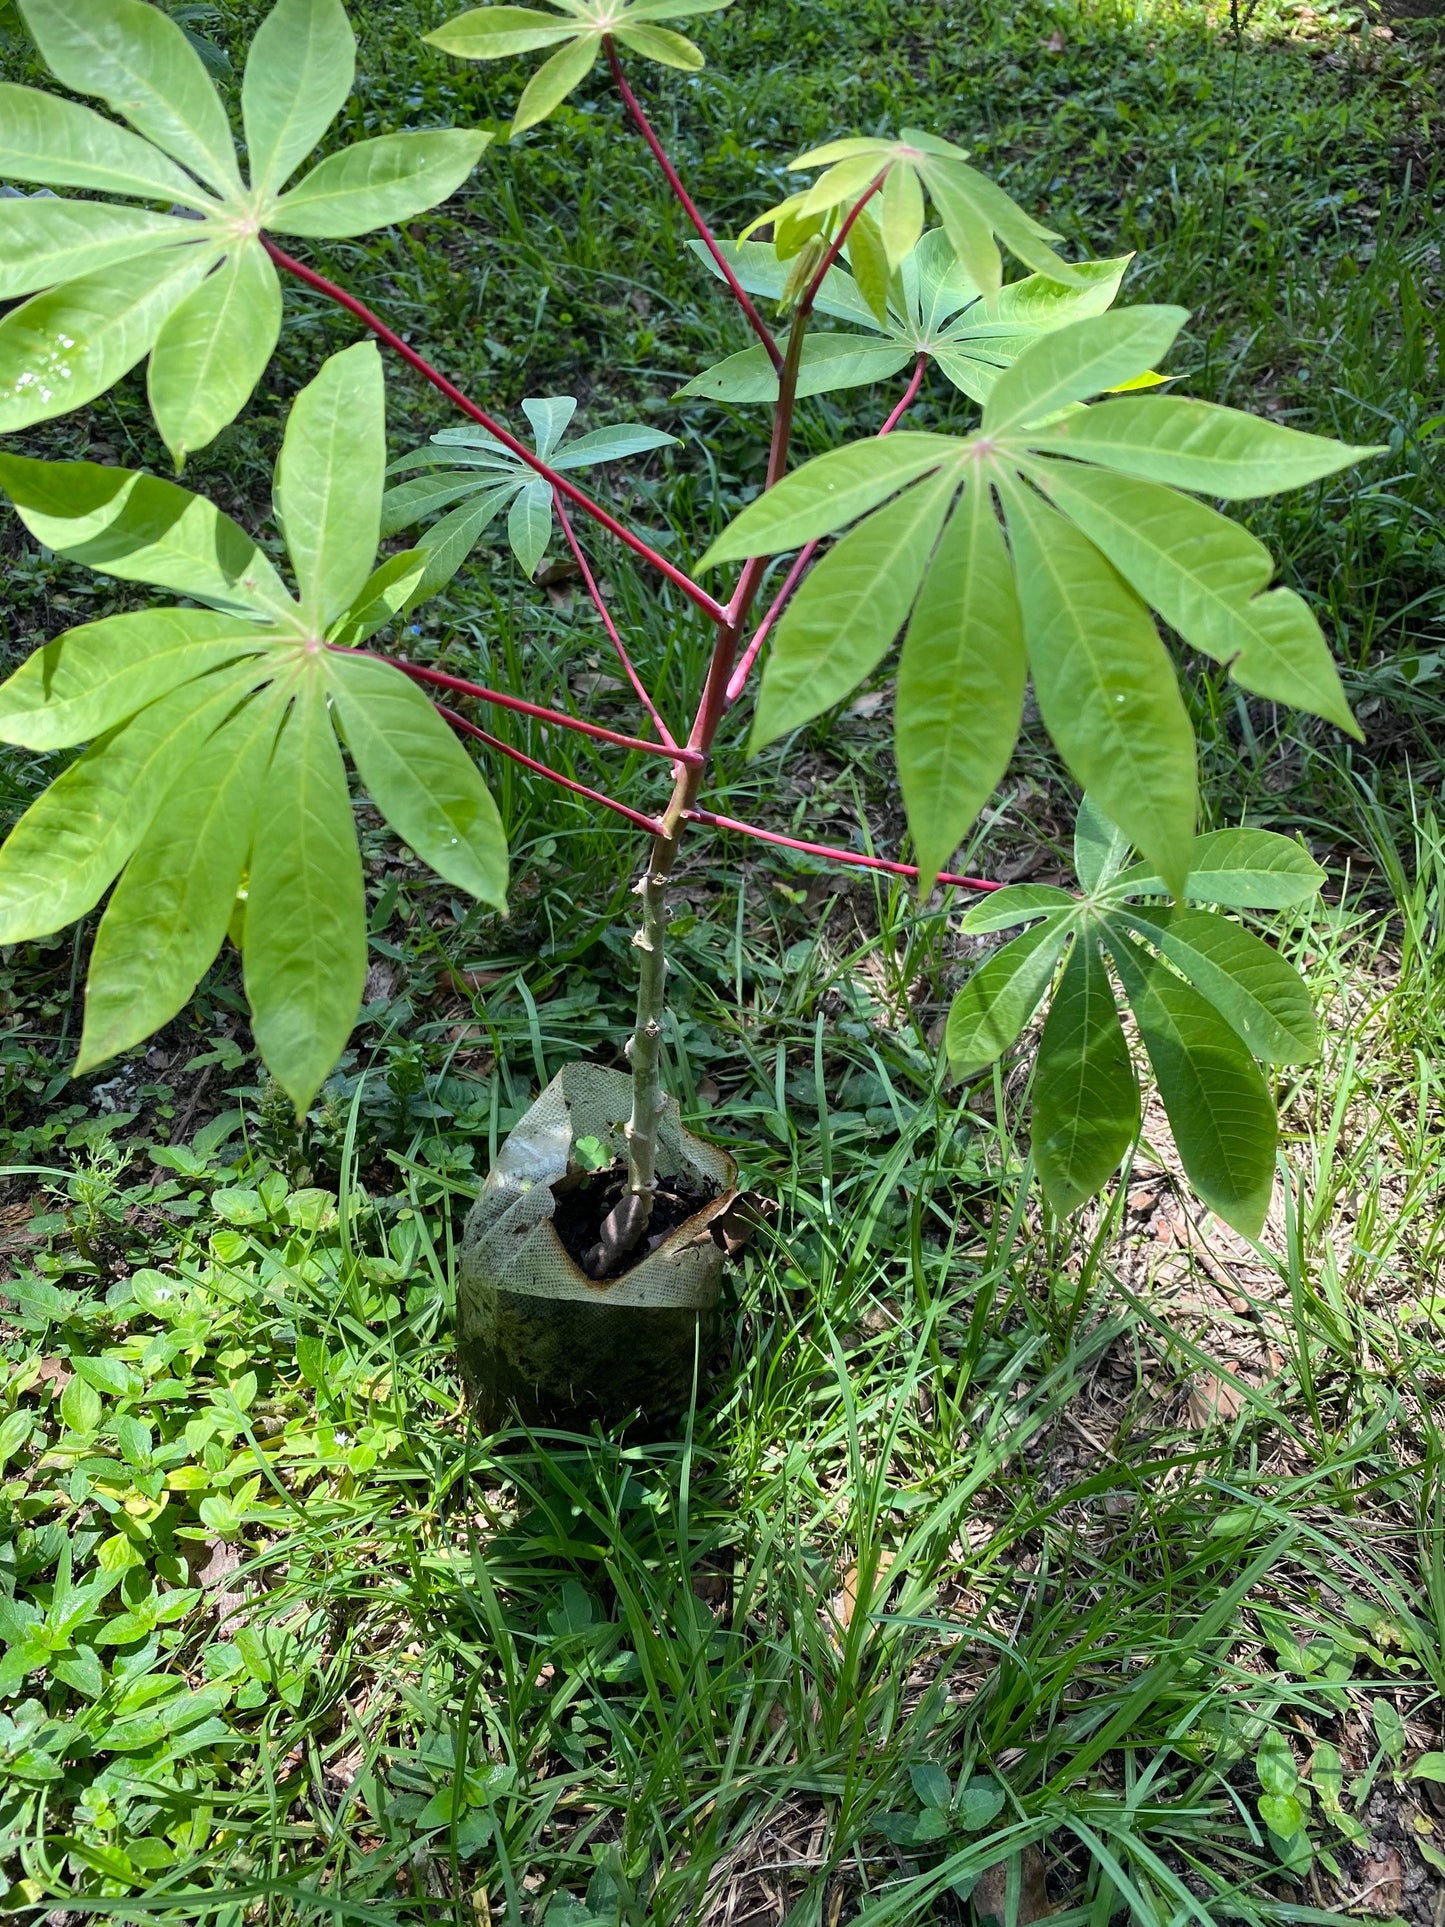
x,y
710,607
689,207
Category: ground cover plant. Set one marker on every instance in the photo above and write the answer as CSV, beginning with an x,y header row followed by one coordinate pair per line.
x,y
683,1703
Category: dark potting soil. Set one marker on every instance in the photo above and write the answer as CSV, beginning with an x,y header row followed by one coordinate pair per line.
x,y
583,1204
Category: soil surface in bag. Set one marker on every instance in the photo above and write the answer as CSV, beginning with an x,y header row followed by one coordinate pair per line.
x,y
583,1204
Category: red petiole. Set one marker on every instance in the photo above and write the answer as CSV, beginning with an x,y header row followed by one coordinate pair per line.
x,y
711,608
722,686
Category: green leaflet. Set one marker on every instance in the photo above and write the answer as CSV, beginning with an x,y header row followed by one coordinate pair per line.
x,y
61,349
305,942
376,182
1105,686
168,914
1219,1106
59,858
1100,847
90,679
1203,573
868,258
548,417
209,355
45,240
1197,445
1015,903
1086,1095
298,74
610,445
329,481
419,776
828,493
1241,869
554,80
960,683
496,33
849,609
59,143
448,543
1251,986
1078,360
141,65
901,223
529,524
387,591
401,507
1038,301
829,362
1002,994
662,45
142,529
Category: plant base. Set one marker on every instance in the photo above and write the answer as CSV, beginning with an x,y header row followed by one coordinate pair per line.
x,y
540,1341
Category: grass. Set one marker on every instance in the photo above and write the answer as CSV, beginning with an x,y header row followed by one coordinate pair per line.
x,y
1003,1564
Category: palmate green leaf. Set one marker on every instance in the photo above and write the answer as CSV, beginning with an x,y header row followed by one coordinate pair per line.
x,y
830,492
142,529
305,935
420,777
1218,1104
58,143
849,610
116,284
576,33
960,683
987,1015
68,846
211,351
44,239
973,208
330,479
88,680
378,182
61,349
298,74
167,917
1197,445
1240,869
1080,359
1105,686
1015,903
829,362
1100,847
1251,986
1086,1095
140,63
1203,573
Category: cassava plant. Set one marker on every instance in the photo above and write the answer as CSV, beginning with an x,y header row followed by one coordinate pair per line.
x,y
1042,545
